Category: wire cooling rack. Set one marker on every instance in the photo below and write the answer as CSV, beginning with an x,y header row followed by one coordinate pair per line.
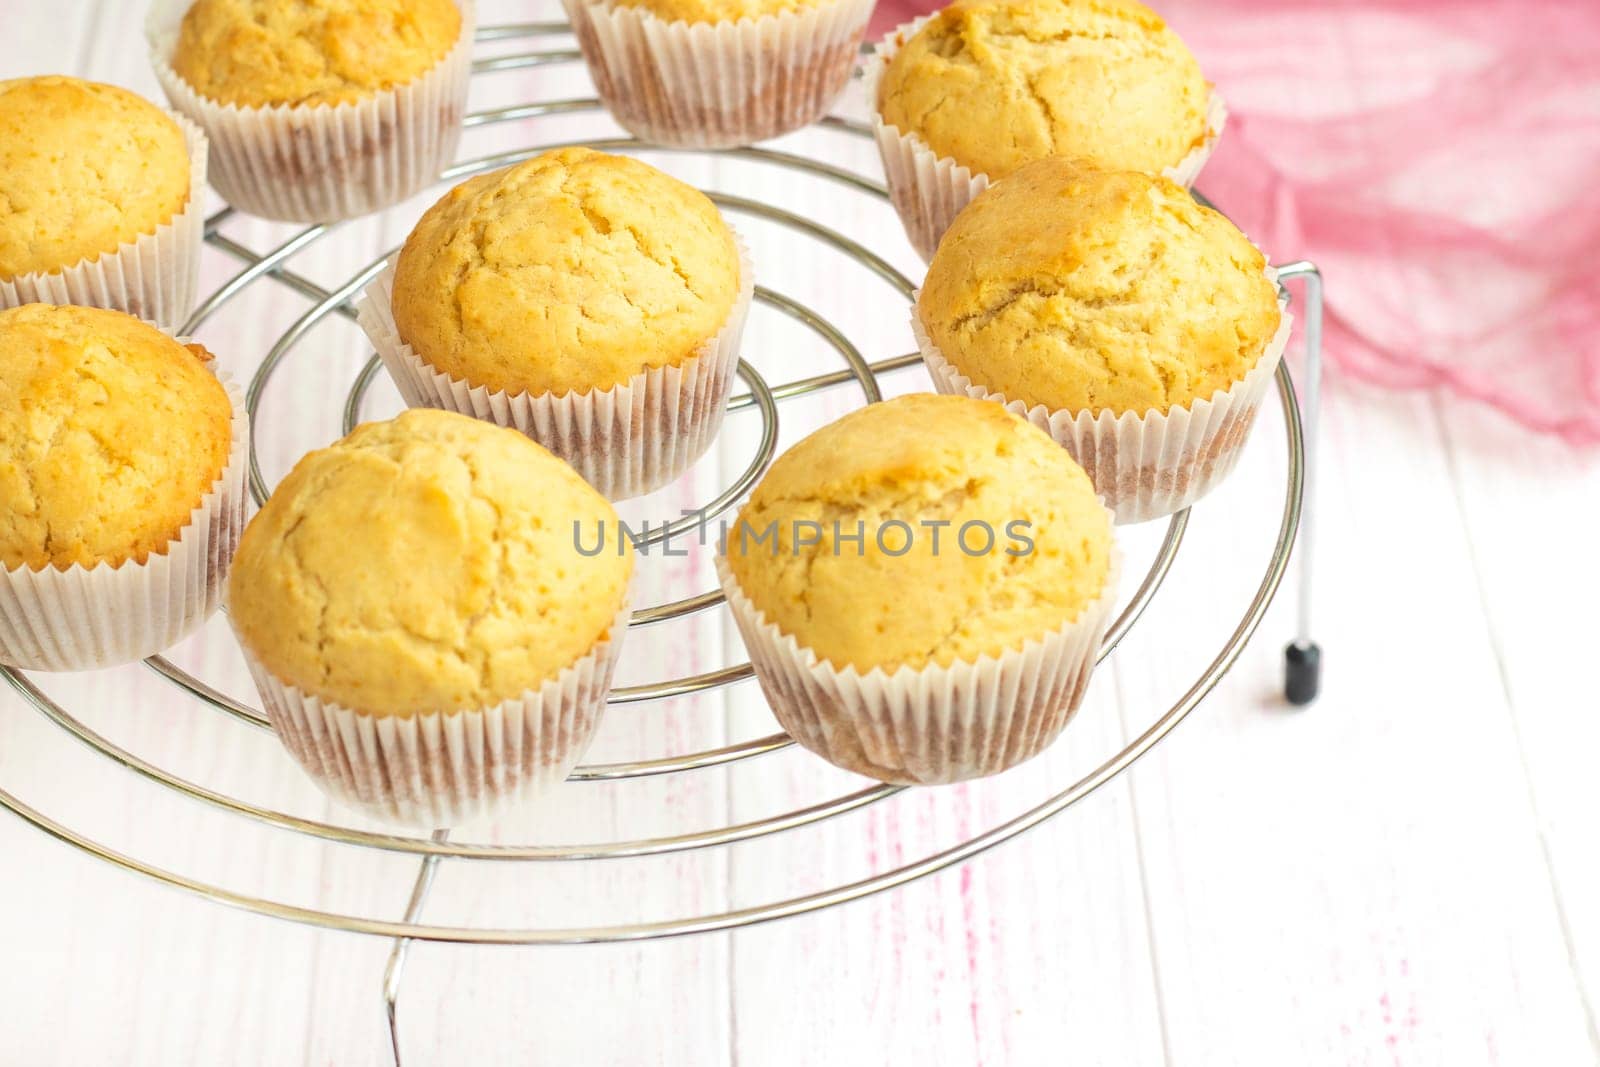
x,y
271,268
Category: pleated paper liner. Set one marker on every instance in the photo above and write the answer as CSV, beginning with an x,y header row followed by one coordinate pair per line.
x,y
716,85
308,163
83,618
445,768
625,441
153,277
1144,466
937,724
928,191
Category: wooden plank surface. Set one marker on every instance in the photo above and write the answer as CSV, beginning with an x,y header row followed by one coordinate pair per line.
x,y
1405,874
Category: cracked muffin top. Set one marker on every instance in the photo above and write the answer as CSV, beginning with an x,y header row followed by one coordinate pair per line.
x,y
84,168
1085,290
936,476
995,84
111,433
260,53
572,271
429,563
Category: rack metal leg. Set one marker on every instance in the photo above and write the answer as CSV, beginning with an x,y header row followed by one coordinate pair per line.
x,y
395,971
1302,658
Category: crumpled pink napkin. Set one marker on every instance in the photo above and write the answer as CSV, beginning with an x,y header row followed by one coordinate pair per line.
x,y
1439,160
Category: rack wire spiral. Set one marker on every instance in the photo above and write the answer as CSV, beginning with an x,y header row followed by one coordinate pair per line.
x,y
758,394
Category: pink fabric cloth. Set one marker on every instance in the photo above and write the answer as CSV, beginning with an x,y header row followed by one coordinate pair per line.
x,y
1438,159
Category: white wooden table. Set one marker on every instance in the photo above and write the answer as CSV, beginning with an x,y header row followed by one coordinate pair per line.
x,y
1406,873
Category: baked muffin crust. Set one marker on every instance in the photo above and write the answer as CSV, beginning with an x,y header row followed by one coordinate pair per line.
x,y
922,459
426,564
1086,290
720,10
84,168
111,433
259,53
572,271
995,84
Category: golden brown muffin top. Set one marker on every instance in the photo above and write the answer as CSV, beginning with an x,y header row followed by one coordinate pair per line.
x,y
1085,290
922,459
572,271
720,10
994,84
111,433
426,564
258,53
84,169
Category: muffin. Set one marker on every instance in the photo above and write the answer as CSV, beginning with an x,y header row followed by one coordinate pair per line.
x,y
718,73
589,300
261,53
923,587
318,110
121,487
102,192
427,637
983,87
1138,328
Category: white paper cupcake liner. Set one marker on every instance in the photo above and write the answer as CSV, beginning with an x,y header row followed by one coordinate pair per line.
x,y
928,726
301,163
625,441
153,277
446,768
928,191
1144,466
1187,170
84,618
716,85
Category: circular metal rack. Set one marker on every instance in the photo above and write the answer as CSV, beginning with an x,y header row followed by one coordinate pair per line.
x,y
765,398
